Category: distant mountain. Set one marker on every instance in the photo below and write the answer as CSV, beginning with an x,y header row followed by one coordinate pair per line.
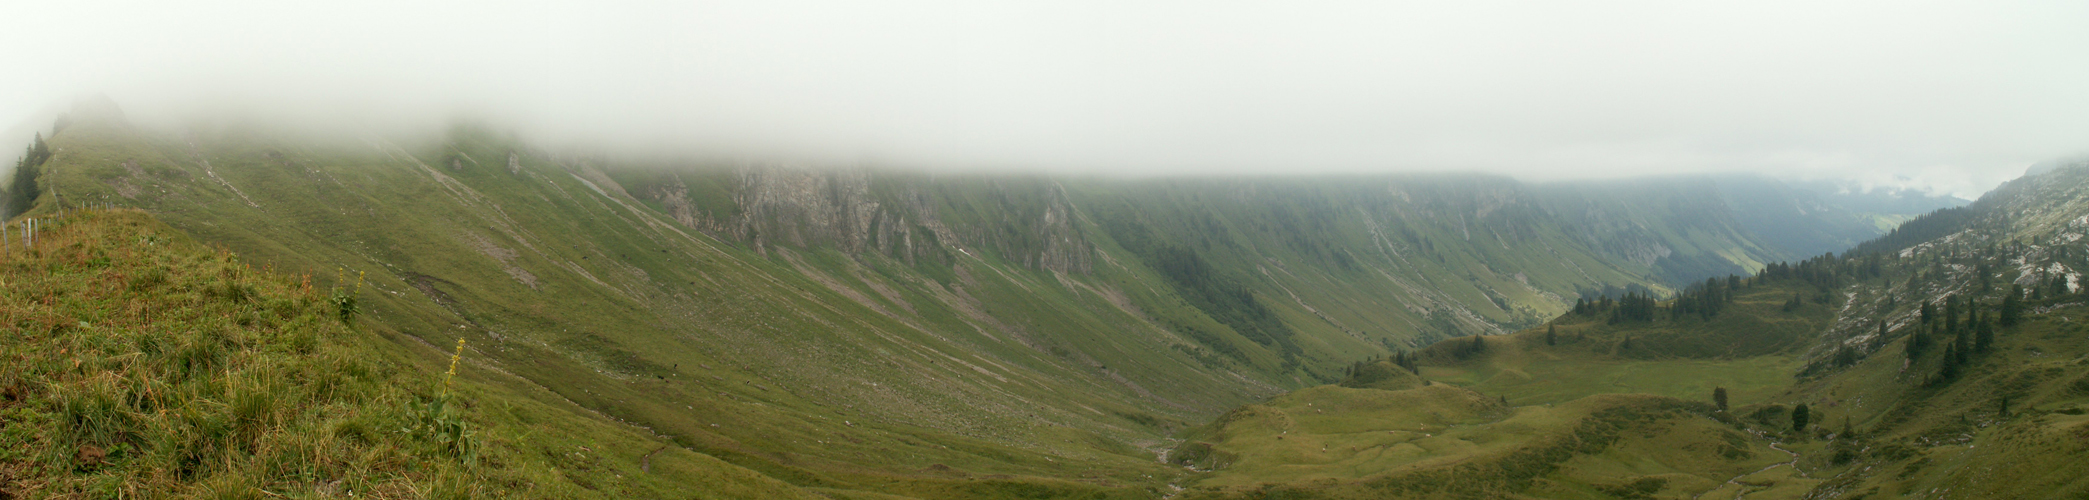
x,y
1809,218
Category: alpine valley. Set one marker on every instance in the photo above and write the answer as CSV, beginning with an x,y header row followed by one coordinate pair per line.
x,y
230,310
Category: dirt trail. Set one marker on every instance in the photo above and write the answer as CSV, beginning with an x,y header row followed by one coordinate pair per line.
x,y
1736,480
645,463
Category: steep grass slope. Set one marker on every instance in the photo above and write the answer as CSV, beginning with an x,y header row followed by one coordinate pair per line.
x,y
808,366
142,364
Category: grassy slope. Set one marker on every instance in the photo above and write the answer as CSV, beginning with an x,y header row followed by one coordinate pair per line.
x,y
1917,436
748,358
1441,441
1751,348
851,372
1885,425
1342,442
143,363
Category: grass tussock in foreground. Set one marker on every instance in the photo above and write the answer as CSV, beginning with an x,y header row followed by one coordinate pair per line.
x,y
143,363
139,363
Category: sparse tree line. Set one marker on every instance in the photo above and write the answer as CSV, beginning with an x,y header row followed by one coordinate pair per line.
x,y
1801,415
1964,327
1704,300
1401,359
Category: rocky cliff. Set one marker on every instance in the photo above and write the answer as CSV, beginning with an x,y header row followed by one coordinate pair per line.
x,y
918,219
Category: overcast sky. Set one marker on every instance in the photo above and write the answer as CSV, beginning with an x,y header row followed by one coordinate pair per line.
x,y
1955,96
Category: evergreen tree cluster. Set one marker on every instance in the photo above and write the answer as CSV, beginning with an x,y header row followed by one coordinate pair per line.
x,y
1634,306
1466,350
1705,300
1400,358
2054,286
22,191
1962,325
1824,272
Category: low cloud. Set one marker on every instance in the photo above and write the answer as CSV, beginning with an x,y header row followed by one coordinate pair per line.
x,y
1953,98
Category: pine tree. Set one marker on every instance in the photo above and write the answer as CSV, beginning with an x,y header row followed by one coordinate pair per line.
x,y
1972,315
1964,341
1949,371
1984,335
2012,306
1551,336
1719,397
1929,311
1800,416
1951,314
1845,356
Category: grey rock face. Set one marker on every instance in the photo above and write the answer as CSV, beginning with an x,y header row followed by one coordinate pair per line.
x,y
1031,223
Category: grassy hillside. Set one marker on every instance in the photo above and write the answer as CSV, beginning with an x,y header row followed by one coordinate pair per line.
x,y
1441,441
1900,416
801,365
141,363
1752,347
861,333
1585,414
1953,367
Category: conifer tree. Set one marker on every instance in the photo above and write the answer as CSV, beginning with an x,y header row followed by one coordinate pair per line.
x,y
1800,417
2012,306
1984,335
1551,336
1972,315
1951,314
1949,370
1719,397
1964,343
